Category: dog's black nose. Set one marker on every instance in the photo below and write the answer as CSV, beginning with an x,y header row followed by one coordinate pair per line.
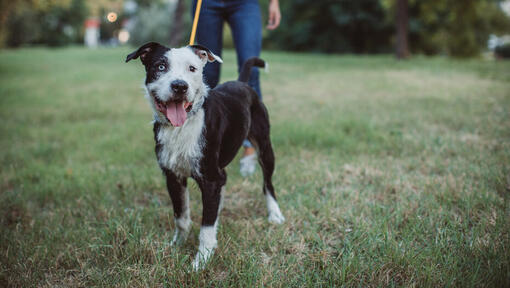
x,y
179,86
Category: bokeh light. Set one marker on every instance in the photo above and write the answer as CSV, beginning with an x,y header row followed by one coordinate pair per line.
x,y
123,36
112,17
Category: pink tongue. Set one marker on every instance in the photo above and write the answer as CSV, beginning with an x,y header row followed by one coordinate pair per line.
x,y
175,113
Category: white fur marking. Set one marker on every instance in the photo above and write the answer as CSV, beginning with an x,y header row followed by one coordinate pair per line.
x,y
182,146
207,245
220,207
182,224
275,215
216,57
208,241
179,61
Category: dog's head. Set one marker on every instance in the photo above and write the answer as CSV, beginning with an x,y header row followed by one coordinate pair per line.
x,y
174,80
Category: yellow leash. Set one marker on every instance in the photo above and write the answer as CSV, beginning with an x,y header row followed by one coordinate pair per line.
x,y
195,23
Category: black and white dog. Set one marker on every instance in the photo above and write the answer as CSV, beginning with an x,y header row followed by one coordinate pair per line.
x,y
199,131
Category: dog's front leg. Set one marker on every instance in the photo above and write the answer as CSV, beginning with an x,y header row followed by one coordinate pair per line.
x,y
180,200
211,201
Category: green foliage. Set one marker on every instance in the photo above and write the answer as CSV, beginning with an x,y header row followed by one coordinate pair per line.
x,y
503,51
55,25
456,28
21,25
449,27
63,25
153,22
333,26
446,27
147,3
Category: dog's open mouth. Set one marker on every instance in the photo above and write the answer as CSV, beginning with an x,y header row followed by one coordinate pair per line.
x,y
175,111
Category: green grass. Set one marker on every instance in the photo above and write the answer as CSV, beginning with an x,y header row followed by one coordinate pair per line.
x,y
389,174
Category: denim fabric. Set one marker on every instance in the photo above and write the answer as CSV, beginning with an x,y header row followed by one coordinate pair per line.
x,y
245,22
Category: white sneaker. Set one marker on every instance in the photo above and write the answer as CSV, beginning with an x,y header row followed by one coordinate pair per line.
x,y
248,165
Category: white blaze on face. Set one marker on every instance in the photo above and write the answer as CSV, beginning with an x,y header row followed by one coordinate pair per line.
x,y
183,65
181,60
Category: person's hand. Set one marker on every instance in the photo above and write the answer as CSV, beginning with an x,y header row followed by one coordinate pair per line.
x,y
274,15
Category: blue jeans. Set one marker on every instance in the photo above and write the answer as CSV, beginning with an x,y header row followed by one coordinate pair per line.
x,y
245,22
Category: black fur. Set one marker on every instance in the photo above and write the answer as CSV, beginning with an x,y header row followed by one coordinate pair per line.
x,y
244,76
233,112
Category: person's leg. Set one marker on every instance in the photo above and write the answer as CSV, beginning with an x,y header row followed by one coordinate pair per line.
x,y
210,35
245,22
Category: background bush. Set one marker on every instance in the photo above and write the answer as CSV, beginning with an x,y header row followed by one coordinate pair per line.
x,y
448,27
333,26
456,28
53,24
152,22
444,27
503,51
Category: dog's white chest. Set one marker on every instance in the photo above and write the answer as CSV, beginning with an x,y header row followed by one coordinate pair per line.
x,y
181,149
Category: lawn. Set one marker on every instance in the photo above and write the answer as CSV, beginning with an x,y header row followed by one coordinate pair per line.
x,y
389,174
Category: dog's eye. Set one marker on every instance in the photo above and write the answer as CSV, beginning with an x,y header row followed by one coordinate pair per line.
x,y
192,68
161,67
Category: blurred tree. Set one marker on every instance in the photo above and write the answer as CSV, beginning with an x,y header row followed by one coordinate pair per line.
x,y
98,7
401,24
333,26
456,28
502,51
152,22
145,3
162,21
23,26
51,22
177,32
448,27
7,8
62,25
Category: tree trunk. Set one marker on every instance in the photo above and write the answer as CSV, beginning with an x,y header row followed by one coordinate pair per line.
x,y
178,25
6,8
402,22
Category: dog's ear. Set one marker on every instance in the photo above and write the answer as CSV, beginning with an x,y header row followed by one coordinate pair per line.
x,y
205,54
143,51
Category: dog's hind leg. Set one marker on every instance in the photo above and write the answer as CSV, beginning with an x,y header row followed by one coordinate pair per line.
x,y
212,202
259,136
266,161
180,200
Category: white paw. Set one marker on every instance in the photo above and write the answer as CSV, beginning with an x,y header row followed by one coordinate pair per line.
x,y
276,218
182,228
179,237
201,259
197,265
275,215
206,248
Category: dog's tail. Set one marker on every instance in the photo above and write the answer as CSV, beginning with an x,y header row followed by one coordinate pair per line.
x,y
244,76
